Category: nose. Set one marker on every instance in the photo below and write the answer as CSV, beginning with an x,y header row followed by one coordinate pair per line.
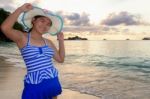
x,y
45,27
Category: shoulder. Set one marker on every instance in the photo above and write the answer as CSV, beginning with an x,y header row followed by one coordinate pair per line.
x,y
23,41
25,36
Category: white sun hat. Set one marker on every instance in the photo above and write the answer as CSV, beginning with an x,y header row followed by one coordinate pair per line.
x,y
57,22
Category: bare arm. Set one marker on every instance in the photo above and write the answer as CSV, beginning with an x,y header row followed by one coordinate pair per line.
x,y
59,55
7,25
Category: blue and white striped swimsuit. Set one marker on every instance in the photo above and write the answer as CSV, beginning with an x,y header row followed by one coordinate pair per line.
x,y
39,63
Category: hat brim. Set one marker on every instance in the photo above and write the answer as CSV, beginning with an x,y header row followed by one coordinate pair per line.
x,y
57,22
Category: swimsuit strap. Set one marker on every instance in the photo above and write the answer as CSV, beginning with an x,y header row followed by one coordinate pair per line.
x,y
45,42
28,41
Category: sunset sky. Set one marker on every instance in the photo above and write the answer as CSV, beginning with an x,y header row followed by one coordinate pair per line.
x,y
97,19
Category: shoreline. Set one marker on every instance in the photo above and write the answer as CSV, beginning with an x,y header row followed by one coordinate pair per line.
x,y
11,83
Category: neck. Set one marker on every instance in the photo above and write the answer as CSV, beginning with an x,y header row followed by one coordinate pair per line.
x,y
36,34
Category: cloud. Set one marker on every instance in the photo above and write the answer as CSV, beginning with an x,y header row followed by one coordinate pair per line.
x,y
126,30
75,19
91,29
78,29
35,2
108,29
8,5
11,5
98,30
124,18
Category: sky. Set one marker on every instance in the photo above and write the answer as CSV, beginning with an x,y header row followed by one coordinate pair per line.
x,y
97,19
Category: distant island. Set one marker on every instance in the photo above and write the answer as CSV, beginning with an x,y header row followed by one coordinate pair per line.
x,y
146,38
76,38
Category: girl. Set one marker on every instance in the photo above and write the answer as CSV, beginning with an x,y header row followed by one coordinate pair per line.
x,y
41,80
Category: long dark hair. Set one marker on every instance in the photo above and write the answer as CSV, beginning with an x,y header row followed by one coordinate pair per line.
x,y
36,17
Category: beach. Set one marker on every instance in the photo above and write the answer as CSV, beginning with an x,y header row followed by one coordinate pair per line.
x,y
105,69
11,83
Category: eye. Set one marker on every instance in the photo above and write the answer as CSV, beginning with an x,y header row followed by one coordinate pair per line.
x,y
49,24
45,21
42,20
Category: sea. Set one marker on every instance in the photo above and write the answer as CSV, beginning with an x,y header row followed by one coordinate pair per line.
x,y
114,69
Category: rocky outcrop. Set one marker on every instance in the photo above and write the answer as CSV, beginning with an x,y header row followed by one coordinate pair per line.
x,y
3,15
146,38
76,38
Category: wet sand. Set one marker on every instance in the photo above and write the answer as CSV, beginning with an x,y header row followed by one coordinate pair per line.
x,y
11,83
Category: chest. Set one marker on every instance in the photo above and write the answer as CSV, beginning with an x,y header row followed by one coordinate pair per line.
x,y
34,51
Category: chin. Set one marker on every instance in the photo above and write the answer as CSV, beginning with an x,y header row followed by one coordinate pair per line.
x,y
41,32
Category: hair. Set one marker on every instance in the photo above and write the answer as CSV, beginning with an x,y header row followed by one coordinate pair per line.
x,y
36,17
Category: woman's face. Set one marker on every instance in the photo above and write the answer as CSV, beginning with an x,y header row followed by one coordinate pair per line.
x,y
41,24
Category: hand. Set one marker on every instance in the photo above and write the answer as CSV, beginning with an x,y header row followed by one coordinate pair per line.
x,y
60,36
26,7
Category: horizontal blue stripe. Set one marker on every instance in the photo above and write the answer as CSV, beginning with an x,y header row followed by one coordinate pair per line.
x,y
29,58
38,61
28,48
48,65
39,64
39,69
30,54
30,51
